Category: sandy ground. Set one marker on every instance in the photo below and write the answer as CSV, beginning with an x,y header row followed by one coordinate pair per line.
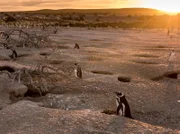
x,y
104,55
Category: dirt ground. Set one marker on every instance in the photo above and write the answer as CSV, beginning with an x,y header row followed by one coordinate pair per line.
x,y
105,55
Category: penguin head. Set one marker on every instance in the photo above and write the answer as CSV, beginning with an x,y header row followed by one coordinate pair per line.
x,y
119,94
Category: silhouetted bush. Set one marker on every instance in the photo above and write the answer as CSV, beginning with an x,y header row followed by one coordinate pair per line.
x,y
10,19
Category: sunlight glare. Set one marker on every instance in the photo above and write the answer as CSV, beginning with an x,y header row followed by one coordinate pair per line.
x,y
172,6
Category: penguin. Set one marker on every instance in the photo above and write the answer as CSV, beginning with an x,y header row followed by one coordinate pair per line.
x,y
172,56
123,107
168,31
14,53
78,71
76,46
5,35
171,60
55,31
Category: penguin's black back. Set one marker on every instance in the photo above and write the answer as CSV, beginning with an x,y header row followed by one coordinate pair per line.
x,y
127,107
79,72
14,54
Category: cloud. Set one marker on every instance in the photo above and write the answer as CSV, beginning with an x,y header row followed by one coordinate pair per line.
x,y
36,3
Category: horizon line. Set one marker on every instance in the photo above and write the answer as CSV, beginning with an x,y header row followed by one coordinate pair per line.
x,y
94,9
84,9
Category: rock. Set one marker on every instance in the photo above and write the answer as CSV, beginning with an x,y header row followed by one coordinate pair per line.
x,y
7,88
5,54
28,118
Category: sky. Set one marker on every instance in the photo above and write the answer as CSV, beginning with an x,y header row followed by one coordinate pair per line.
x,y
24,5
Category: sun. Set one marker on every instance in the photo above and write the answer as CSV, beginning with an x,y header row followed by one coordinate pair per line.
x,y
169,9
171,6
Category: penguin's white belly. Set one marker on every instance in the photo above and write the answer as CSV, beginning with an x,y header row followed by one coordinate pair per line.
x,y
117,103
172,57
123,110
75,72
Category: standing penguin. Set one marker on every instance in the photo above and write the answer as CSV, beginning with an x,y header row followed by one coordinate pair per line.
x,y
168,31
78,71
14,53
123,107
171,60
76,46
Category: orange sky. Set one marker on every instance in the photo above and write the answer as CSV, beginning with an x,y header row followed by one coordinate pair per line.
x,y
14,5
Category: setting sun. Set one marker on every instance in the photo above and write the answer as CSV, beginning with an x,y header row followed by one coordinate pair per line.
x,y
171,6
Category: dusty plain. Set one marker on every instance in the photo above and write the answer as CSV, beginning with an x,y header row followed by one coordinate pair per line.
x,y
105,55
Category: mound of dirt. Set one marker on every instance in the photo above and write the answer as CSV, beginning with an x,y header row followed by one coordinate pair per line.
x,y
7,88
29,118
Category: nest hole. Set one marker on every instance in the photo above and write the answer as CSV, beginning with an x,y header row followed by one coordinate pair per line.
x,y
56,62
171,75
7,68
31,93
109,112
124,79
23,55
44,53
102,72
62,47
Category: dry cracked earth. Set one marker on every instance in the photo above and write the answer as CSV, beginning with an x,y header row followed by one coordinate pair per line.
x,y
133,61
